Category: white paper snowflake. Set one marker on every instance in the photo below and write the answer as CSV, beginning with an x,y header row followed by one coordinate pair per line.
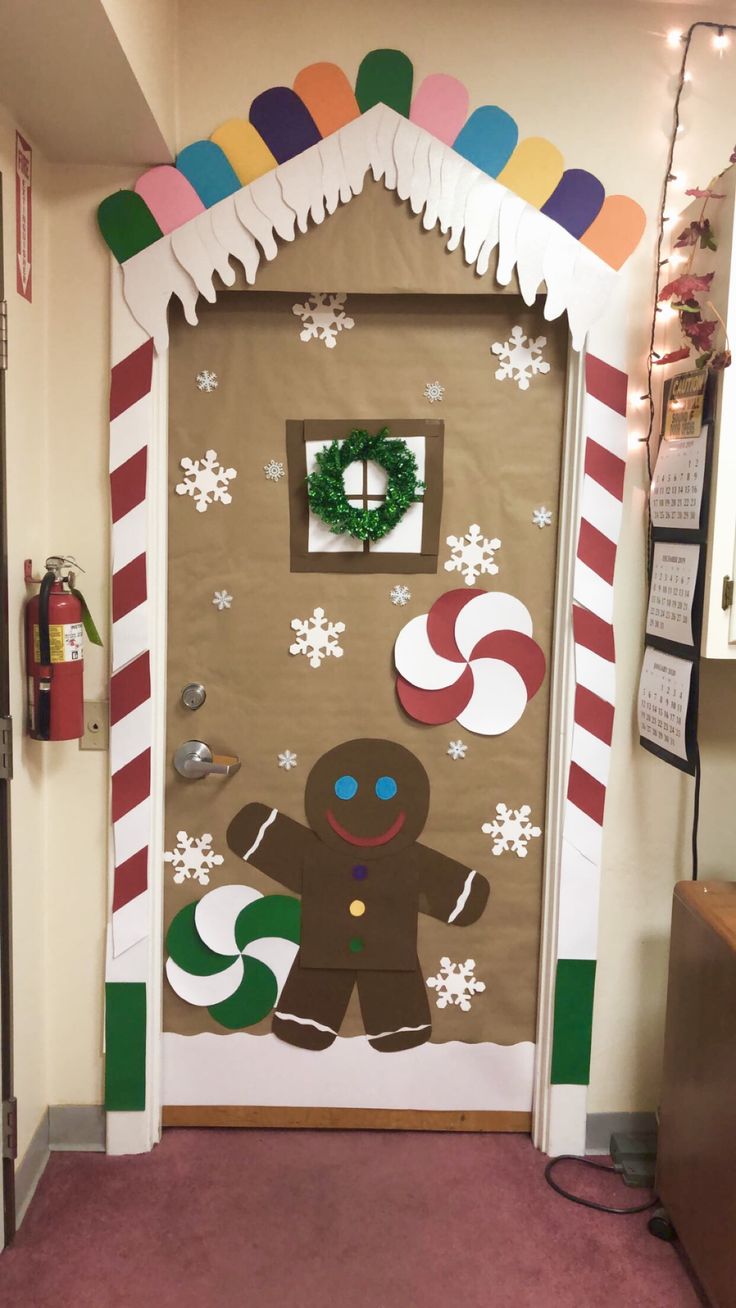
x,y
458,749
542,517
520,358
323,316
434,392
456,983
274,470
206,481
193,857
400,595
288,760
207,381
511,830
222,600
472,554
317,638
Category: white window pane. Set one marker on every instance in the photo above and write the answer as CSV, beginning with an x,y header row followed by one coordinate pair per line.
x,y
406,537
324,541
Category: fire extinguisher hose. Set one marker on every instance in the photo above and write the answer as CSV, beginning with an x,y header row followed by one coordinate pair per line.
x,y
44,658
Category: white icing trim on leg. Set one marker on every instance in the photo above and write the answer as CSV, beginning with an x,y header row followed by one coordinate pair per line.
x,y
462,898
271,818
304,1021
423,1026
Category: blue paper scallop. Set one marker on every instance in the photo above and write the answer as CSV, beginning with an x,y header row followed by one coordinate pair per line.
x,y
488,139
209,170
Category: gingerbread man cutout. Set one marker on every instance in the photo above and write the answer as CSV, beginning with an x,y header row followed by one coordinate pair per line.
x,y
363,878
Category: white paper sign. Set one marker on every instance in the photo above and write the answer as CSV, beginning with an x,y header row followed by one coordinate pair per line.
x,y
672,591
677,486
664,694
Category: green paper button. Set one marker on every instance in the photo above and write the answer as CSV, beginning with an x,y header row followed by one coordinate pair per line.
x,y
356,944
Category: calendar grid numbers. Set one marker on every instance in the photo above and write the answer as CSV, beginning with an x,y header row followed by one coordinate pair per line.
x,y
677,486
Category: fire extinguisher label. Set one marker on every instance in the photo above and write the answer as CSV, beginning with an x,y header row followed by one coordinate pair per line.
x,y
65,641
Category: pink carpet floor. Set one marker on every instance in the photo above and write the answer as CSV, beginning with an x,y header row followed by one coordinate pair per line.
x,y
306,1219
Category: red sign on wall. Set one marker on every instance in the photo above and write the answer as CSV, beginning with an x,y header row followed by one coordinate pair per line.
x,y
23,218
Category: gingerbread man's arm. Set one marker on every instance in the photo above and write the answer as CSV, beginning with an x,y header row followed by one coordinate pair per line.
x,y
449,890
272,842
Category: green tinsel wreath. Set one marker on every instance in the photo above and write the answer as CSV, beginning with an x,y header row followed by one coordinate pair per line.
x,y
326,490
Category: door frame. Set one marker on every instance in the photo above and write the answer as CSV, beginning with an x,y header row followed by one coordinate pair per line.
x,y
582,660
7,1166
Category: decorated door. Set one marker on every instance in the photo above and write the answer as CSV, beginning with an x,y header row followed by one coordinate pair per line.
x,y
362,554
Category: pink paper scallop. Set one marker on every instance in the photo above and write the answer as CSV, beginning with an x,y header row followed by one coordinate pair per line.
x,y
498,699
440,106
170,197
417,661
492,610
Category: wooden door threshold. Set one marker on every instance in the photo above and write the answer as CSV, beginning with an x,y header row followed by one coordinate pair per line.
x,y
345,1119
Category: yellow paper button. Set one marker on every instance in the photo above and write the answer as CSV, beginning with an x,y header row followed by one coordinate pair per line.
x,y
357,908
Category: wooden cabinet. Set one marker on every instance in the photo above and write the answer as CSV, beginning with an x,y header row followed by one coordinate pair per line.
x,y
696,1164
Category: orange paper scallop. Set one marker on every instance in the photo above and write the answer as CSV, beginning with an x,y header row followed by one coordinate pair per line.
x,y
616,231
328,95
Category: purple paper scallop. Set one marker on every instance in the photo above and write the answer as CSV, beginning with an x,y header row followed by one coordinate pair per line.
x,y
284,122
575,201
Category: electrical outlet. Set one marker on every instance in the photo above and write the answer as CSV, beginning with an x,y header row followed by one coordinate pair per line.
x,y
96,725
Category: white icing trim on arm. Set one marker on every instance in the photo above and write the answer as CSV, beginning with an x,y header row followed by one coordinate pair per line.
x,y
271,818
462,898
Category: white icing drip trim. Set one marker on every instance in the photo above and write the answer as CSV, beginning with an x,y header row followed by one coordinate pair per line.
x,y
306,1021
462,898
271,818
423,1026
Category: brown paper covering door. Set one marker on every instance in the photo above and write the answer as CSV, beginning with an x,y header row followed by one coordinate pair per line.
x,y
494,457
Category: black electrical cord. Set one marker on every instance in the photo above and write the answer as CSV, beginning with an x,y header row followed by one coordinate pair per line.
x,y
589,1203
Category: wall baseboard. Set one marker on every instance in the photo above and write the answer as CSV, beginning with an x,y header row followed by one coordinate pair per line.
x,y
31,1169
600,1127
78,1127
62,1127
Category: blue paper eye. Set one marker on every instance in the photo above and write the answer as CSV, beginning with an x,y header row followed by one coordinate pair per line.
x,y
386,787
346,787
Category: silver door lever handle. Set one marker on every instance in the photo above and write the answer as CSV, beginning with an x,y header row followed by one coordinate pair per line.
x,y
194,759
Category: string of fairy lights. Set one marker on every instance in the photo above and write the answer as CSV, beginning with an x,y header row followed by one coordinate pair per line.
x,y
677,39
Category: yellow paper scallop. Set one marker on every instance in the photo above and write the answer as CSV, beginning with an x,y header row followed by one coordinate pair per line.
x,y
533,170
245,149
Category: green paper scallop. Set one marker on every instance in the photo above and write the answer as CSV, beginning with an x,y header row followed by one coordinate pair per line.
x,y
189,951
127,224
253,999
274,915
385,77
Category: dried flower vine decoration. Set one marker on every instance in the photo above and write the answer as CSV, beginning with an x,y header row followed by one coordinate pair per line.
x,y
697,329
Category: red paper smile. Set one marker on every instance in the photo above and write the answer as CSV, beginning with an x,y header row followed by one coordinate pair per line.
x,y
383,839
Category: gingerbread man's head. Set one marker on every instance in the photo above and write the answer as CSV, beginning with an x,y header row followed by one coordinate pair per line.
x,y
367,796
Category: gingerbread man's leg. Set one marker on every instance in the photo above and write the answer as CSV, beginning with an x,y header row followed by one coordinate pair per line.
x,y
395,1009
312,1005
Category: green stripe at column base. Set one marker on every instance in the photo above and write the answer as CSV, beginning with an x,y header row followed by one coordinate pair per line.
x,y
574,985
125,1046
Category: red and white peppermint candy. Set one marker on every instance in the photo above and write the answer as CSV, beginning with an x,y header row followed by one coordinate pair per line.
x,y
472,659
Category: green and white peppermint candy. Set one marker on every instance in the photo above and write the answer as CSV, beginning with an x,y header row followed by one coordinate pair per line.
x,y
231,952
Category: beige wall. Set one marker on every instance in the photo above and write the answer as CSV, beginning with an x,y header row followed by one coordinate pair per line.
x,y
597,79
146,31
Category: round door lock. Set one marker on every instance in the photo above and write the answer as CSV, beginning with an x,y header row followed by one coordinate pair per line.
x,y
193,695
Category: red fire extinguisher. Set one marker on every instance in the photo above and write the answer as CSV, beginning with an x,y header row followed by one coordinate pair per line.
x,y
56,620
